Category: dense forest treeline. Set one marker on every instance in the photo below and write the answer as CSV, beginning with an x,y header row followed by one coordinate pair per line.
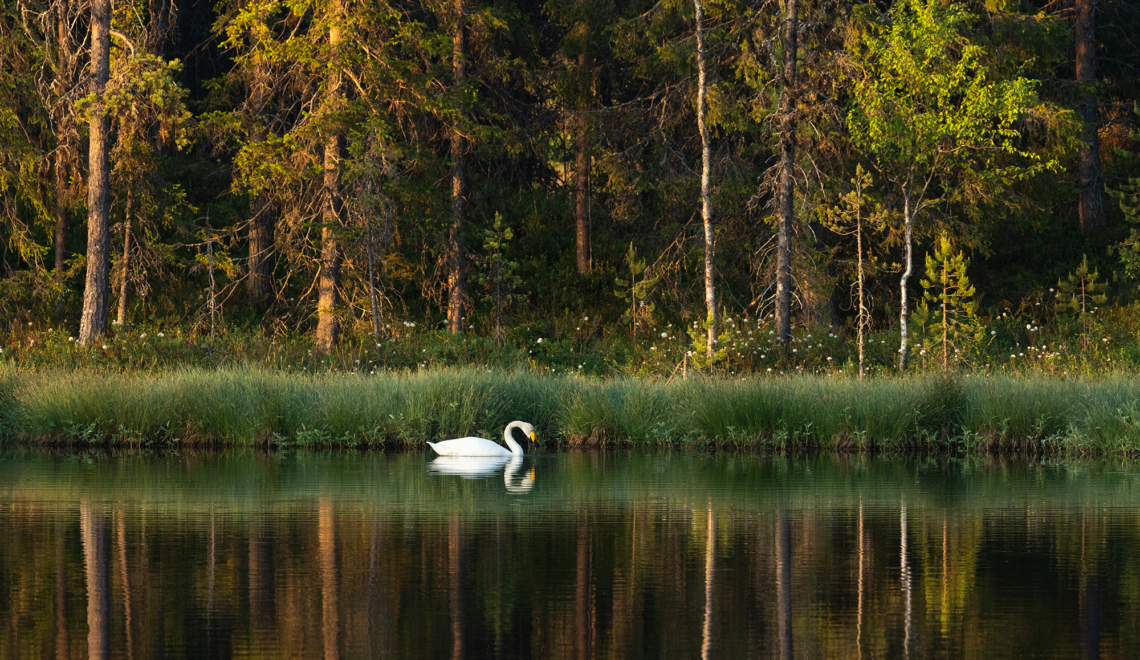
x,y
503,169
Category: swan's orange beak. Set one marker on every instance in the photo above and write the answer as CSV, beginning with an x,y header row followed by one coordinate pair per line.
x,y
532,438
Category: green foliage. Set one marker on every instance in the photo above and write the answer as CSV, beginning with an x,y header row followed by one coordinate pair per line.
x,y
1080,295
636,292
498,275
948,304
1129,196
926,107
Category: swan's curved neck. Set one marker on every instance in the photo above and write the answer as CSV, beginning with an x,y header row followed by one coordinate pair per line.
x,y
510,440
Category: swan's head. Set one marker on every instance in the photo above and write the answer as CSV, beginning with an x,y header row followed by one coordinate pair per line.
x,y
528,429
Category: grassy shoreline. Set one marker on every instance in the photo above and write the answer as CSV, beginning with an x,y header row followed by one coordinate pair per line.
x,y
246,406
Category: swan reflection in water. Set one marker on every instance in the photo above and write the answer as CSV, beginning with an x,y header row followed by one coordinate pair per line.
x,y
476,467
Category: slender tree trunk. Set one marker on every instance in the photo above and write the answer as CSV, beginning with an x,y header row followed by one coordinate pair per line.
x,y
945,327
372,293
162,17
260,218
261,250
905,277
93,323
582,174
62,208
787,208
457,275
63,154
328,324
1088,156
862,317
706,198
125,285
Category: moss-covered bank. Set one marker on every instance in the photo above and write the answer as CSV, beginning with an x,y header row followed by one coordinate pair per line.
x,y
247,406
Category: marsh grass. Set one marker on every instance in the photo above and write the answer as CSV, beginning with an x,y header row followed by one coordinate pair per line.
x,y
246,405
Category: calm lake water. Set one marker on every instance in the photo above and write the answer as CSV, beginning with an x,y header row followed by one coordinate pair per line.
x,y
626,555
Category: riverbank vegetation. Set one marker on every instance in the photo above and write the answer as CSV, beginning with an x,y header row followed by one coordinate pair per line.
x,y
244,406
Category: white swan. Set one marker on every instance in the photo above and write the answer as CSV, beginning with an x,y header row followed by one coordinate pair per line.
x,y
483,447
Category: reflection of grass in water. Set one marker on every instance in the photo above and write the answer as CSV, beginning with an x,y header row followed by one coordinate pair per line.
x,y
243,481
244,406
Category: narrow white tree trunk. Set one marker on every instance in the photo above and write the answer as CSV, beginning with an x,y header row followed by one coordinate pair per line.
x,y
706,199
787,185
905,277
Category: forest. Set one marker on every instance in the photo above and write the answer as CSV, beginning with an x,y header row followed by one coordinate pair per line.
x,y
646,183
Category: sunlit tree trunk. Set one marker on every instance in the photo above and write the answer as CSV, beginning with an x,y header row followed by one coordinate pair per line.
x,y
261,246
786,214
96,551
456,257
904,308
582,170
93,323
332,255
64,157
1088,156
706,196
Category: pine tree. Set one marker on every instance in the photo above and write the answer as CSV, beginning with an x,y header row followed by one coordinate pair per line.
x,y
636,291
498,276
1081,294
949,292
851,218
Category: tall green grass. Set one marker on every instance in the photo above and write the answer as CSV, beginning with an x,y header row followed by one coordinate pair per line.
x,y
244,405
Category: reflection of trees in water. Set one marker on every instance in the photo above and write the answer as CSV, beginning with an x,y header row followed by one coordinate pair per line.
x,y
332,578
93,523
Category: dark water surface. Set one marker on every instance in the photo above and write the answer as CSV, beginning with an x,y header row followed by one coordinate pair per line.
x,y
677,555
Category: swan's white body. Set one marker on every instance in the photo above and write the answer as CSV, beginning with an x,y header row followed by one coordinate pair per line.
x,y
482,446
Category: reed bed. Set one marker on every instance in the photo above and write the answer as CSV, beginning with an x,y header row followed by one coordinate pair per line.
x,y
244,405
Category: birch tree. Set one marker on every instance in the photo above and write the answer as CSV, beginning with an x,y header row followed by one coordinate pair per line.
x,y
933,123
787,183
706,195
